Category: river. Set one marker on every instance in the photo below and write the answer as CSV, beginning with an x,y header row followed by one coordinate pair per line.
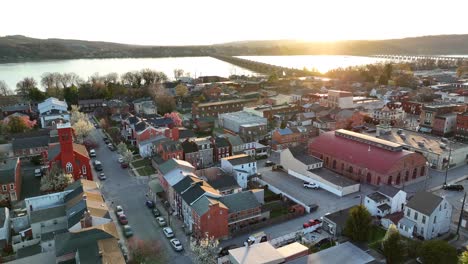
x,y
11,73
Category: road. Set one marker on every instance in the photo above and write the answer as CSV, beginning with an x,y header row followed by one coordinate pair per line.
x,y
436,179
120,188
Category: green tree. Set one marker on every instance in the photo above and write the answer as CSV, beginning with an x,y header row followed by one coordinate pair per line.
x,y
17,125
165,103
36,95
24,87
70,94
358,224
462,70
464,257
283,124
438,251
181,90
392,246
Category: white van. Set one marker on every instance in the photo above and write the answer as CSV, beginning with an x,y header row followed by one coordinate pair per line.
x,y
38,172
92,153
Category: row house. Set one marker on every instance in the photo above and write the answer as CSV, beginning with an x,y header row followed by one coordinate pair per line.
x,y
22,108
241,166
412,108
432,114
396,115
33,143
170,149
206,151
10,180
244,209
89,105
461,131
270,111
191,153
222,148
213,109
145,106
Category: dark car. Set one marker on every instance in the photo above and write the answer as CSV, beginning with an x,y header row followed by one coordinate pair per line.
x,y
123,219
269,163
156,212
225,250
454,187
150,204
124,165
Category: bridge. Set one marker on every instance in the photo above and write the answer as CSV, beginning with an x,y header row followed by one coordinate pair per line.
x,y
420,57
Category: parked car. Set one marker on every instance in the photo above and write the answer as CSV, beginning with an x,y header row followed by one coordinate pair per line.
x,y
310,185
37,173
454,187
149,204
127,230
168,232
120,159
225,250
161,221
156,212
92,153
102,176
124,165
311,222
269,163
123,219
175,243
111,147
105,138
97,165
119,210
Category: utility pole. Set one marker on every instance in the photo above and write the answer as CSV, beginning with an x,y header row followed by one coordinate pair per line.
x,y
448,162
461,214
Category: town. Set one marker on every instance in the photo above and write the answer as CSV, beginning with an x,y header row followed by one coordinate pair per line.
x,y
365,165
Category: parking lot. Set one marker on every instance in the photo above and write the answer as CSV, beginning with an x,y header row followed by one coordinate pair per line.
x,y
295,188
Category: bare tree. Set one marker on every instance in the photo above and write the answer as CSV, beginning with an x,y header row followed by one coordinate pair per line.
x,y
112,77
178,73
4,90
24,86
205,249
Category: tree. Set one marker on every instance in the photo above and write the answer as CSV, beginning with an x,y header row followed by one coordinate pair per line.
x,y
178,73
4,90
127,156
16,124
181,90
358,224
24,86
175,118
464,257
80,123
70,94
205,249
121,148
55,180
283,124
165,104
462,70
392,246
146,252
36,95
438,251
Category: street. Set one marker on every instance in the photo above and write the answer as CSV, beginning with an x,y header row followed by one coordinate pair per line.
x,y
120,188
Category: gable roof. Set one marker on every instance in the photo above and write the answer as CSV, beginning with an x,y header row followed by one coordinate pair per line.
x,y
193,193
31,140
172,164
8,171
339,217
239,159
80,149
186,133
424,202
171,146
235,140
140,126
221,142
388,190
223,182
50,213
240,201
183,184
202,205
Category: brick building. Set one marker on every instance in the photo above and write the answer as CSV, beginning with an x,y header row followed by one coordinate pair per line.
x,y
10,180
430,112
411,107
222,148
461,131
89,105
285,138
213,109
366,158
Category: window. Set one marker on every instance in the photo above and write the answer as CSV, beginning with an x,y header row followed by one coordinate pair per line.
x,y
408,213
435,219
83,170
12,186
69,167
445,205
423,219
415,215
422,230
4,188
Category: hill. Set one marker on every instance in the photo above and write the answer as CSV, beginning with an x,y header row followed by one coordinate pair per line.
x,y
21,48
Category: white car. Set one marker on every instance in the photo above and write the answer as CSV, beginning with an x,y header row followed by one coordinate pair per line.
x,y
121,159
310,185
168,232
119,210
161,221
92,153
175,243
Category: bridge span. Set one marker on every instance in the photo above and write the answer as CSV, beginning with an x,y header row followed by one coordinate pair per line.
x,y
419,57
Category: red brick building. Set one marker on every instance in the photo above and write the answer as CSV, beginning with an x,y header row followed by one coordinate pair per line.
x,y
285,138
367,159
461,131
71,157
170,149
410,107
10,180
212,109
207,211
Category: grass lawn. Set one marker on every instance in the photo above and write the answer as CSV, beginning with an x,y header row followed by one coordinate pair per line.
x,y
146,171
278,212
376,234
141,163
269,193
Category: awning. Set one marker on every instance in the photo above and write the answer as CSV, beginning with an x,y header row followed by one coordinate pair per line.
x,y
155,186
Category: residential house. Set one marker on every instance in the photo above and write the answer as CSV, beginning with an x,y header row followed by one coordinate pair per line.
x,y
70,157
115,106
205,212
168,166
340,99
22,108
89,105
145,106
206,150
237,145
10,180
244,209
33,143
335,222
222,148
52,112
5,227
386,200
147,147
241,166
191,153
219,180
441,111
426,216
285,137
186,134
170,149
213,109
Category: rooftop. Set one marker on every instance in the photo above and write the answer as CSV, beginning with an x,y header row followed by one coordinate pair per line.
x,y
7,170
300,154
377,197
333,177
243,116
424,202
339,217
343,253
256,254
240,201
239,159
224,102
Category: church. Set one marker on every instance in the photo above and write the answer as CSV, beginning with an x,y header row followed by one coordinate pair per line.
x,y
71,157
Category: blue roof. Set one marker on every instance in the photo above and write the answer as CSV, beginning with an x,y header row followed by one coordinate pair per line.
x,y
284,131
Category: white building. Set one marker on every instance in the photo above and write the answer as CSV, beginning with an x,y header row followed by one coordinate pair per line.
x,y
426,215
53,111
145,106
340,99
242,166
4,226
233,121
387,200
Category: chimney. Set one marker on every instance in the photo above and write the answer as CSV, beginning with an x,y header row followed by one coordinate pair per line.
x,y
87,220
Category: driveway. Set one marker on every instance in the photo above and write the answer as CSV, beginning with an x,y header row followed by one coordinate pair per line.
x,y
122,189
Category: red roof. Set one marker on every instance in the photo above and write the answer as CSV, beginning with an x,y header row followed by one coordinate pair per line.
x,y
377,159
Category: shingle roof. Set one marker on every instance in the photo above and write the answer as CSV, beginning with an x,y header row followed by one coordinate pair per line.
x,y
183,184
7,171
47,213
339,217
161,121
424,202
388,190
186,133
140,126
235,140
75,213
240,201
193,193
189,146
300,154
32,141
202,205
69,242
240,159
133,120
221,142
224,182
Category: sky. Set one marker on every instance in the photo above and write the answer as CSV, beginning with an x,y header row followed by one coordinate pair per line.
x,y
194,22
